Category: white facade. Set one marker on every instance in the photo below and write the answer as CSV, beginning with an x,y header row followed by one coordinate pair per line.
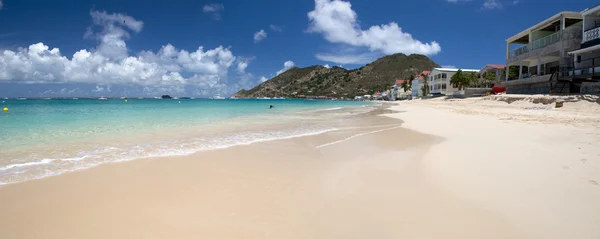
x,y
439,80
416,87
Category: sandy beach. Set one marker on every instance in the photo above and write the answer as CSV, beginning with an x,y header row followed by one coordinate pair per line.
x,y
474,168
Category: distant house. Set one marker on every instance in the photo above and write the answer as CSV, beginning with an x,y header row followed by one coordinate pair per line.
x,y
418,83
400,91
439,80
495,69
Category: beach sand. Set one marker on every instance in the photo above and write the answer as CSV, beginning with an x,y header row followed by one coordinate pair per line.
x,y
422,171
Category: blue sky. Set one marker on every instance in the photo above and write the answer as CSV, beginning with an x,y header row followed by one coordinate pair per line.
x,y
145,48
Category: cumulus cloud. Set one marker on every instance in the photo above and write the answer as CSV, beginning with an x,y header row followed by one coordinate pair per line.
x,y
1,5
263,79
338,23
260,35
286,66
109,63
326,66
276,28
449,66
214,9
492,4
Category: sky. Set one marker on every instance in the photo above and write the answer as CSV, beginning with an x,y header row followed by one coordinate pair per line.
x,y
91,48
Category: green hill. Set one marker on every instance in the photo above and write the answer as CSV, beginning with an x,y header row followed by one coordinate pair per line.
x,y
337,82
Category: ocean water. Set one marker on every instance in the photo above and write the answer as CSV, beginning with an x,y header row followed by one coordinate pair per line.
x,y
40,138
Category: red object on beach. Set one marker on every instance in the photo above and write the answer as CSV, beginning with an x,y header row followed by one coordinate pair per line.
x,y
498,89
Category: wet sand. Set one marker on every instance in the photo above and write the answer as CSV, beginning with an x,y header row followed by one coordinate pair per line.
x,y
367,180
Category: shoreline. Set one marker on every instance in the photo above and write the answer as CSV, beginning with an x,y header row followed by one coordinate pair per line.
x,y
395,179
53,158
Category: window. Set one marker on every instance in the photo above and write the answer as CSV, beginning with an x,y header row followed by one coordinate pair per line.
x,y
444,75
443,86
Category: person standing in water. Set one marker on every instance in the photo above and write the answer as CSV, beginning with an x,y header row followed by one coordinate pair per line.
x,y
271,107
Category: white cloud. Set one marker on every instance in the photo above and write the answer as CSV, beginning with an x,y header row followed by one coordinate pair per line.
x,y
515,2
449,66
276,28
286,66
241,66
263,79
109,63
492,4
98,89
259,35
338,23
1,5
326,66
214,9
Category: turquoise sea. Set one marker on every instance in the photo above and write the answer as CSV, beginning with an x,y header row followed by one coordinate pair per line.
x,y
45,137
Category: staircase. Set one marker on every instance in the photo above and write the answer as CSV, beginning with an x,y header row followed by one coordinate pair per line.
x,y
558,86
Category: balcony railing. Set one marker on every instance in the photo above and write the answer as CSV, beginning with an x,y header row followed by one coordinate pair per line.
x,y
591,34
548,40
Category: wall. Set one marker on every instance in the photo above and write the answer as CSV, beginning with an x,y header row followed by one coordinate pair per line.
x,y
591,22
590,87
471,92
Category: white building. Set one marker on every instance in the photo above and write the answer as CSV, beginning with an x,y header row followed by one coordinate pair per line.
x,y
584,73
541,53
439,80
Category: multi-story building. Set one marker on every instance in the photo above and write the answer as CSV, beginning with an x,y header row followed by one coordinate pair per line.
x,y
542,53
584,72
439,80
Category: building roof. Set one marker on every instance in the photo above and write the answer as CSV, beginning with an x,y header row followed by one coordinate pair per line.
x,y
495,66
588,11
492,67
542,24
454,70
398,82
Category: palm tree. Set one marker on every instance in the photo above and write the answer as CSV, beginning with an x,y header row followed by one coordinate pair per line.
x,y
405,86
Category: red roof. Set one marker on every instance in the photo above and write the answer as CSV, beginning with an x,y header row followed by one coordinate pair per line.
x,y
420,77
398,82
495,66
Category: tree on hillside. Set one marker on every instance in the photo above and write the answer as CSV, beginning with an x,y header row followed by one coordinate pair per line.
x,y
460,80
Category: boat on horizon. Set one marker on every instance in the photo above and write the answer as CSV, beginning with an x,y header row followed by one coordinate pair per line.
x,y
102,98
218,97
75,98
21,98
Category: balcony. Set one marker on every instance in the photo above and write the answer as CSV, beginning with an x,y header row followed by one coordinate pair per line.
x,y
571,36
591,37
537,44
